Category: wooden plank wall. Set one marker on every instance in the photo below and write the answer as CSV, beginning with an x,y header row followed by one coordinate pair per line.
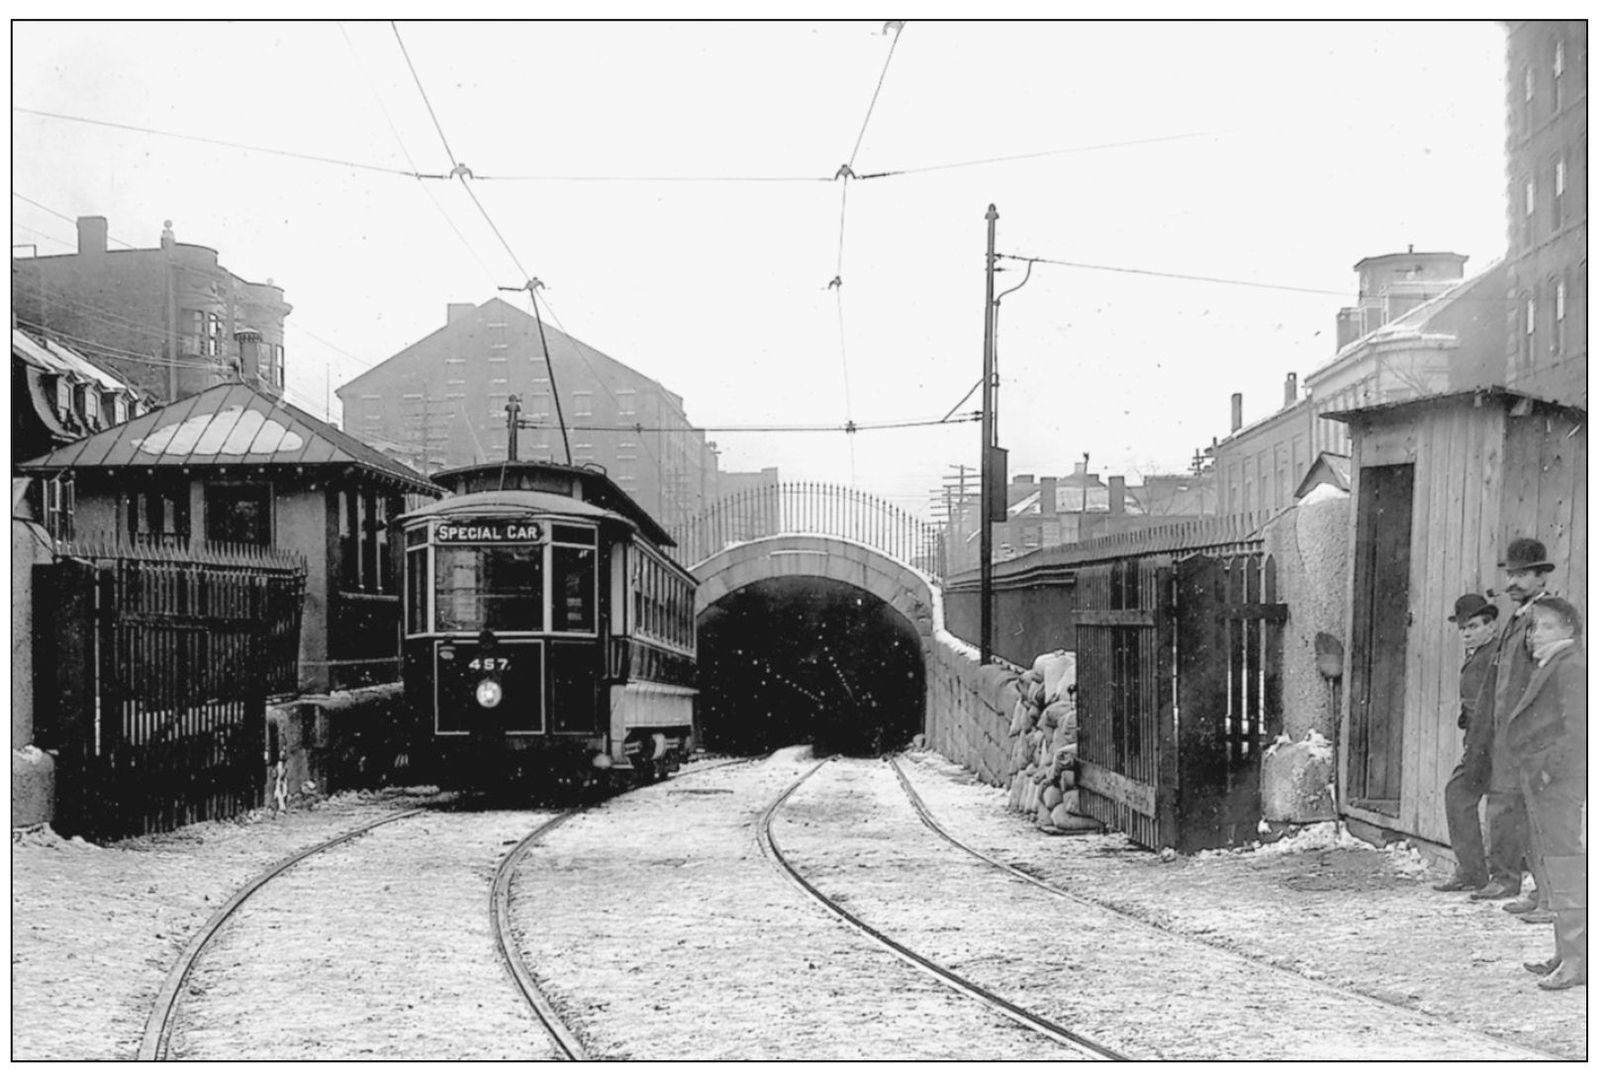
x,y
1482,476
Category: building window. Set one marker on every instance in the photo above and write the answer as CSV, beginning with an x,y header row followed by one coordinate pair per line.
x,y
202,332
160,514
1558,75
1528,333
56,504
239,514
627,403
455,361
1530,99
1558,192
583,404
1530,210
1558,316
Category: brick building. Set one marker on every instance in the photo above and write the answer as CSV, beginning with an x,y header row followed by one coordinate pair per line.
x,y
1547,209
441,403
169,320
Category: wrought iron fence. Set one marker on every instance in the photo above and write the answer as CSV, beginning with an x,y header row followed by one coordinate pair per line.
x,y
815,508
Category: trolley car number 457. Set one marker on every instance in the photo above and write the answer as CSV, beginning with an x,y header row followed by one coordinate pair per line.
x,y
489,663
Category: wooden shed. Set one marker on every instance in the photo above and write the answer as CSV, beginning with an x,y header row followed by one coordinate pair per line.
x,y
1440,485
231,466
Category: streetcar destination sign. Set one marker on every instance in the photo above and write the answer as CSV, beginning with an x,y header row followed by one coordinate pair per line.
x,y
490,531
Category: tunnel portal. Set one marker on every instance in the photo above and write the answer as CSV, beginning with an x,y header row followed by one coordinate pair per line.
x,y
790,660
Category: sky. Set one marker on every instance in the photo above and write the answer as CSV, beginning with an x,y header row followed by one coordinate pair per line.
x,y
672,186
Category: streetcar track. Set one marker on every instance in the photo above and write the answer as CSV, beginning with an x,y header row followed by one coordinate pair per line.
x,y
160,1023
932,823
949,978
564,1038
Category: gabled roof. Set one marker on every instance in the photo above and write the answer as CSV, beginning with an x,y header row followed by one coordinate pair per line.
x,y
228,425
1328,469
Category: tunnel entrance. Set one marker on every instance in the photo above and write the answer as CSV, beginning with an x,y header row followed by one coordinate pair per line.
x,y
790,660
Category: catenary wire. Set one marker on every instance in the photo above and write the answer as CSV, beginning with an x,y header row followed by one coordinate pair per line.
x,y
226,143
1176,275
452,158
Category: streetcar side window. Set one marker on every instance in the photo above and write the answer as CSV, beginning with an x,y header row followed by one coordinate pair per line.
x,y
418,590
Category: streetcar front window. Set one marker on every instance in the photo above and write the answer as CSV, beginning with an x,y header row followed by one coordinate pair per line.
x,y
497,587
575,588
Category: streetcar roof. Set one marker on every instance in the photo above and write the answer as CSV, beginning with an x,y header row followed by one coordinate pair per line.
x,y
515,501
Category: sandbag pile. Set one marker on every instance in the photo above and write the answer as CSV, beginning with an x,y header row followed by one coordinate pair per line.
x,y
1044,745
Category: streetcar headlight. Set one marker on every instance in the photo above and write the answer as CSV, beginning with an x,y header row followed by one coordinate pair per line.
x,y
488,692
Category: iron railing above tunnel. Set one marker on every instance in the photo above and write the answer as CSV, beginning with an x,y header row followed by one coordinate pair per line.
x,y
816,508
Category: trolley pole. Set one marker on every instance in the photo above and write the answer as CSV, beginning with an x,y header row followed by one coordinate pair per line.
x,y
987,476
513,408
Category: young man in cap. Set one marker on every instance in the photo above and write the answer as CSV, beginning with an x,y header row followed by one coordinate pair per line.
x,y
1476,619
1547,736
1526,570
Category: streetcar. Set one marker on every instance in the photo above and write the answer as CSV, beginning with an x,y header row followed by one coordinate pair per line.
x,y
546,630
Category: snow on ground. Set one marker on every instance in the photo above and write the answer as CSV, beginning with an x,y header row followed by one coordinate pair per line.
x,y
659,928
1329,907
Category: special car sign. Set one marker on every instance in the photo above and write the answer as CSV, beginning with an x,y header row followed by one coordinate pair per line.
x,y
489,531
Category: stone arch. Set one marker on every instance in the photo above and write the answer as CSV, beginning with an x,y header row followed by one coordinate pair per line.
x,y
910,593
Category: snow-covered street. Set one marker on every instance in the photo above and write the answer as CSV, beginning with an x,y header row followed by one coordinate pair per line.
x,y
659,929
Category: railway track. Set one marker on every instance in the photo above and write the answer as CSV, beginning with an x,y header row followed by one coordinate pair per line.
x,y
159,1026
564,1038
1068,1038
932,823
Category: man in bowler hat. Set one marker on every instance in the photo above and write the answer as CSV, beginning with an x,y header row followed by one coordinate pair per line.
x,y
1476,620
1547,736
1526,569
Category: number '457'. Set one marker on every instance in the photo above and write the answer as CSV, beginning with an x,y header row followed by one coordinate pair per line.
x,y
489,663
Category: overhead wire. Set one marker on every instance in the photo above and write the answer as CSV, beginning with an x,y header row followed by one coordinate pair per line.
x,y
845,174
1176,275
226,143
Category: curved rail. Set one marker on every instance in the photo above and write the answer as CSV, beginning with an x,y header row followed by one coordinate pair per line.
x,y
1061,1035
932,823
159,1025
503,935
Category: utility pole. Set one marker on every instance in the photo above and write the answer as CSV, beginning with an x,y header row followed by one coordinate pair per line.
x,y
513,409
986,528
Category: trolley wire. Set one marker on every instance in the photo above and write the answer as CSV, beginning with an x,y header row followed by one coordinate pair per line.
x,y
316,158
1175,275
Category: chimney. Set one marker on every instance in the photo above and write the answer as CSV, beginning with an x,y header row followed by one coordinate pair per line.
x,y
167,234
1348,326
1047,497
1081,467
249,342
1117,495
457,311
92,234
1234,413
1290,389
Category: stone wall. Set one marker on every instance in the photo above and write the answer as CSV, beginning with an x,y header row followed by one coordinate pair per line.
x,y
969,709
1310,545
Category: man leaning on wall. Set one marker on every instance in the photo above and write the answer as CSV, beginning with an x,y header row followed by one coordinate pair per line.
x,y
1476,620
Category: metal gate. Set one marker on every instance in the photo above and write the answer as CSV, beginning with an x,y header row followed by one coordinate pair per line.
x,y
152,676
1178,693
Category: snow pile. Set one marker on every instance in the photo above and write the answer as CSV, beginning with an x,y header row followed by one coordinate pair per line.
x,y
1311,837
1044,745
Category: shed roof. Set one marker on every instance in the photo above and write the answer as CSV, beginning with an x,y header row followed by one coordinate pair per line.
x,y
1328,469
1494,394
225,426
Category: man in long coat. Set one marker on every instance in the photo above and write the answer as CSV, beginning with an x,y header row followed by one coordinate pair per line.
x,y
1476,620
1526,569
1547,737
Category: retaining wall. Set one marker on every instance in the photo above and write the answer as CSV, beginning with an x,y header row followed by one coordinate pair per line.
x,y
969,709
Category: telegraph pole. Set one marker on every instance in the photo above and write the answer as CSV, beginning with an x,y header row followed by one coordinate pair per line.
x,y
987,476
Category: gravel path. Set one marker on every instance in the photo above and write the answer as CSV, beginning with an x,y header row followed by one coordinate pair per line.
x,y
1341,912
377,949
661,931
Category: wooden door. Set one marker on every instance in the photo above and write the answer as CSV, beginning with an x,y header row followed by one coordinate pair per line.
x,y
1380,619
